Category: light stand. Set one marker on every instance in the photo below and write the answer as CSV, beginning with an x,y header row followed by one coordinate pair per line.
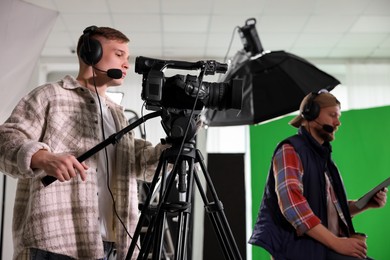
x,y
184,160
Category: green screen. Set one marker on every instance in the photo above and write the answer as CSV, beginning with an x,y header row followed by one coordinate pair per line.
x,y
361,151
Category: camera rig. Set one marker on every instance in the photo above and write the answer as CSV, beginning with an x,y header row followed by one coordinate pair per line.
x,y
181,98
186,92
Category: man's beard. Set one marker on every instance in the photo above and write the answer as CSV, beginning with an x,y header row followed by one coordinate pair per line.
x,y
327,137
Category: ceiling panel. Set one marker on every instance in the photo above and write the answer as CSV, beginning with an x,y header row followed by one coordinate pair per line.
x,y
79,21
361,40
282,23
243,7
330,23
278,41
386,43
372,24
134,7
225,24
350,52
319,40
85,6
377,7
380,53
186,7
138,22
184,40
202,29
296,7
343,7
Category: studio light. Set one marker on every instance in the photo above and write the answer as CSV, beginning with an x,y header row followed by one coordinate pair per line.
x,y
274,82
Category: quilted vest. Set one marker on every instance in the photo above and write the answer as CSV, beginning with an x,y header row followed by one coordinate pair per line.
x,y
272,231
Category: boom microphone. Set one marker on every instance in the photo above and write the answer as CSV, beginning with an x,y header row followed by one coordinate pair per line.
x,y
326,127
112,73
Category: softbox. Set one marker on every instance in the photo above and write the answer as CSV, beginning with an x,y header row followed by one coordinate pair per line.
x,y
274,85
274,82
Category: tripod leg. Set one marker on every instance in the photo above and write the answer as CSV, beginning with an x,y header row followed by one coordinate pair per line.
x,y
182,208
158,238
145,208
156,224
216,214
156,228
187,190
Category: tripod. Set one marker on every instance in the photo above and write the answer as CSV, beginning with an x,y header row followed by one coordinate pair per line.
x,y
186,177
184,171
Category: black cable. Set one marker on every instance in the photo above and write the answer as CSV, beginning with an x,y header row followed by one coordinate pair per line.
x,y
230,44
229,47
133,119
188,126
143,149
107,162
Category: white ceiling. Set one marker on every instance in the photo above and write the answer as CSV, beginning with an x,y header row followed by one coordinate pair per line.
x,y
202,29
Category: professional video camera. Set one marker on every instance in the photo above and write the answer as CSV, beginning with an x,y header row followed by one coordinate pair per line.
x,y
178,100
181,92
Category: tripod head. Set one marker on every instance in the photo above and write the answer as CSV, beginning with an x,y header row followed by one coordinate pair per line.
x,y
179,125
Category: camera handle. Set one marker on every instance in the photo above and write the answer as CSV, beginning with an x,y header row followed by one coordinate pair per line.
x,y
157,214
113,139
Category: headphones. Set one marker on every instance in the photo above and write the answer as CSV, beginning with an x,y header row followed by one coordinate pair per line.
x,y
311,110
91,50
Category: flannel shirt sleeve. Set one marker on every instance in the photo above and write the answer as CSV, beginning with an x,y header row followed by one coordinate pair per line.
x,y
19,137
288,173
147,157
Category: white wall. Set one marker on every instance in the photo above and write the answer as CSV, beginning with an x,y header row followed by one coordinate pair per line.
x,y
365,84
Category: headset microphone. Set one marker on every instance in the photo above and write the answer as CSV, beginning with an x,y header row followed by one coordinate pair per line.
x,y
311,111
326,127
112,73
91,52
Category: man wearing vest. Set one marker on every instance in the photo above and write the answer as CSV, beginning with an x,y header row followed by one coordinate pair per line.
x,y
305,213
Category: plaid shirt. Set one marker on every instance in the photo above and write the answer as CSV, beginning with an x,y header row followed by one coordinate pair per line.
x,y
289,188
63,217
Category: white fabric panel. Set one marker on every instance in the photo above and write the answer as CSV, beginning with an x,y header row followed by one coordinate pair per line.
x,y
24,29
